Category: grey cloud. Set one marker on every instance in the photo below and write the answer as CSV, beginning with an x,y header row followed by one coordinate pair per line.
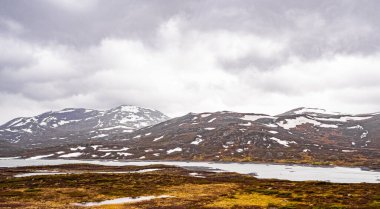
x,y
182,56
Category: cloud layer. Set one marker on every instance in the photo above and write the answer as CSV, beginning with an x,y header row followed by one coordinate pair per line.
x,y
190,56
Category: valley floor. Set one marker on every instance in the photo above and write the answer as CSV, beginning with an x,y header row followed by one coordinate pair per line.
x,y
181,188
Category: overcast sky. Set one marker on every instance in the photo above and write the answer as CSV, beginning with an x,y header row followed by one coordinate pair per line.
x,y
262,56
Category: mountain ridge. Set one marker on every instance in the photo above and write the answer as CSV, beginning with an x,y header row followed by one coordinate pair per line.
x,y
299,136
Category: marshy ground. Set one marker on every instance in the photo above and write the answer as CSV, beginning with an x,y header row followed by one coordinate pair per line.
x,y
189,189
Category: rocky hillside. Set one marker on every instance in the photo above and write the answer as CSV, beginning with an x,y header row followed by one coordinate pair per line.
x,y
302,135
75,125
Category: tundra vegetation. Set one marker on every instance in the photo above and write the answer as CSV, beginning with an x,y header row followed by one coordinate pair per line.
x,y
189,189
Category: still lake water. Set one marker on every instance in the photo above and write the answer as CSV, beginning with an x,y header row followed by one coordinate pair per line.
x,y
264,171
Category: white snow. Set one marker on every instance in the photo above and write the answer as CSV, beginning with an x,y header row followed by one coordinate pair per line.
x,y
271,125
273,132
100,136
124,153
347,151
282,142
105,155
60,152
121,200
136,137
306,150
205,115
178,149
129,108
239,150
196,175
156,154
27,130
315,110
356,127
345,118
113,150
115,127
364,135
73,154
39,157
292,123
255,117
210,121
147,134
77,148
197,141
95,146
158,138
209,129
66,110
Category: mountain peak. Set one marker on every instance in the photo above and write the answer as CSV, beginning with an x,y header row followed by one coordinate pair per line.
x,y
309,111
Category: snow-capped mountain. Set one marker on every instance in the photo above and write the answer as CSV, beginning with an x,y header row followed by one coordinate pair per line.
x,y
302,135
77,124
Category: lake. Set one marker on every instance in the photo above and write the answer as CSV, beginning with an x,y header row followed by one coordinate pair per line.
x,y
260,170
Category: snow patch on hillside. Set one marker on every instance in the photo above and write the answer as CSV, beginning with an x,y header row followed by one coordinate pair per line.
x,y
292,123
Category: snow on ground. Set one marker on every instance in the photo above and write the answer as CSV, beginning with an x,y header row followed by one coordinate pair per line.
x,y
147,134
113,150
364,135
77,148
348,151
178,149
292,123
197,140
129,108
205,115
156,154
136,137
124,153
158,138
345,118
209,129
196,175
271,125
356,127
239,150
315,110
115,127
105,155
27,130
273,132
96,146
39,157
73,154
282,142
60,152
255,117
121,200
100,136
210,121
